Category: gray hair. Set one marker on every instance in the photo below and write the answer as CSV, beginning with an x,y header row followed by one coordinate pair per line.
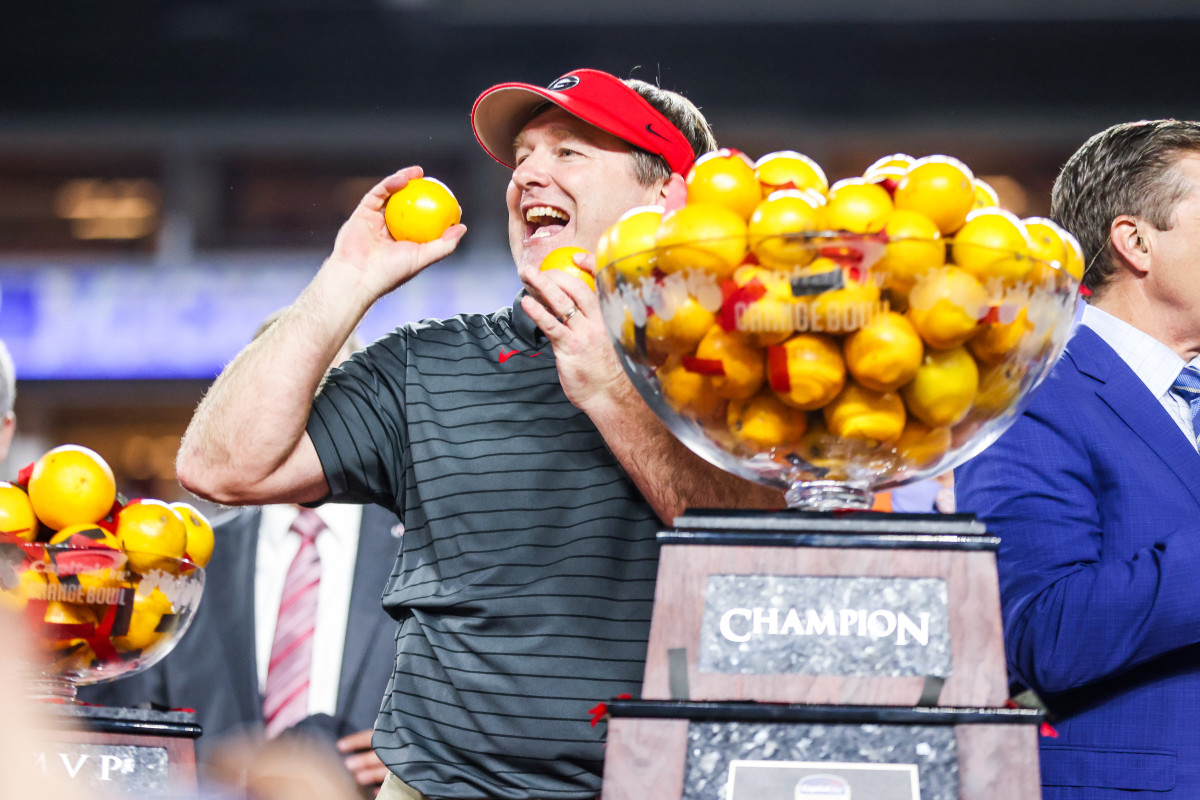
x,y
8,382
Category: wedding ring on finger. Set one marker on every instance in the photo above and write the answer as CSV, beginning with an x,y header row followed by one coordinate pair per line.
x,y
567,316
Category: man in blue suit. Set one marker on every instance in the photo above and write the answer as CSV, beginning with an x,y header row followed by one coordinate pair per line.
x,y
1095,490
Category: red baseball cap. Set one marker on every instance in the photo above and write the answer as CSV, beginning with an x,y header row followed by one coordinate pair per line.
x,y
595,97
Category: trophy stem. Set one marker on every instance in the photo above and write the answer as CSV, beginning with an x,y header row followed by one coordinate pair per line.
x,y
52,688
829,496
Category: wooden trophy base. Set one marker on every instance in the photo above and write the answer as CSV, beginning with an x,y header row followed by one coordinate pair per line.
x,y
859,609
751,751
131,751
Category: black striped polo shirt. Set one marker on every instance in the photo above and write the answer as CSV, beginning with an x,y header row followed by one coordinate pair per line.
x,y
526,574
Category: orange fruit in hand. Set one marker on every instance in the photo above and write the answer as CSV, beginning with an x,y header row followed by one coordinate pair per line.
x,y
940,187
807,371
945,307
743,364
885,353
993,243
16,512
787,169
856,206
421,211
725,178
763,422
563,259
199,533
701,236
629,244
944,387
914,246
152,535
777,229
859,413
70,485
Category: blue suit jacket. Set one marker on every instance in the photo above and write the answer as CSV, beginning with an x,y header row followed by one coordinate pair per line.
x,y
212,668
1095,493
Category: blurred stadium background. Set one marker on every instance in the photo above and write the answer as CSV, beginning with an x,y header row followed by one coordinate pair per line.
x,y
172,172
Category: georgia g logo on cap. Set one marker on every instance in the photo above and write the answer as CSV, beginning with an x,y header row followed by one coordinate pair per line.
x,y
563,83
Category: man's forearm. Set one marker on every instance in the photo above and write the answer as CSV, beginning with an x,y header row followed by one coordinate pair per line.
x,y
251,421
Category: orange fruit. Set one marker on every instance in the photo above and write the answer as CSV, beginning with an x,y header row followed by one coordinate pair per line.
x,y
921,446
940,187
787,169
846,309
1047,247
563,259
993,243
777,229
199,546
152,535
768,321
16,512
942,391
763,422
421,211
701,236
914,246
806,371
31,585
985,195
743,364
885,353
1075,261
144,620
945,307
61,613
71,484
86,534
999,385
629,244
859,413
690,394
725,177
889,164
684,329
856,206
998,339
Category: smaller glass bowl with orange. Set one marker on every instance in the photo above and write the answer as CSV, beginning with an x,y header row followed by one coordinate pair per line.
x,y
90,615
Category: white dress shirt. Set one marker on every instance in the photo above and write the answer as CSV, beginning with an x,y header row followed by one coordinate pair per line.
x,y
337,546
1155,364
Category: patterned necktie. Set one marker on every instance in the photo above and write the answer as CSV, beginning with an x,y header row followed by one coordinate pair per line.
x,y
285,699
1187,386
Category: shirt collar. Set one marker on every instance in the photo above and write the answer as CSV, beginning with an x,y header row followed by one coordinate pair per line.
x,y
1155,364
341,523
524,325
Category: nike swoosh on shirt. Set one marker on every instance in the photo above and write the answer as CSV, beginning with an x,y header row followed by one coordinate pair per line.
x,y
506,356
656,133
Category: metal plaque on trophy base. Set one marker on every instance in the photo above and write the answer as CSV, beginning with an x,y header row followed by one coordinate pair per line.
x,y
752,751
860,608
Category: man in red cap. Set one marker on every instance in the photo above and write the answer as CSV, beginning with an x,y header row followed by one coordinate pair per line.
x,y
530,489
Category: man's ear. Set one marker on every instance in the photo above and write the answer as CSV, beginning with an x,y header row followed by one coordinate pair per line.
x,y
673,194
1132,238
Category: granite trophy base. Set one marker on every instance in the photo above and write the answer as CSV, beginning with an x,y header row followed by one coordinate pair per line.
x,y
132,751
859,608
751,751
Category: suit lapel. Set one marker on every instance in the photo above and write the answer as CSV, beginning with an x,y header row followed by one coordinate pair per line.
x,y
1123,392
375,542
237,606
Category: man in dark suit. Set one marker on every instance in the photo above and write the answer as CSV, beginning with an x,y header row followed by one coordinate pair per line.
x,y
213,667
1095,490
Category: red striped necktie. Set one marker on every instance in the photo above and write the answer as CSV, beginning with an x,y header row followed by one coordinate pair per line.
x,y
285,699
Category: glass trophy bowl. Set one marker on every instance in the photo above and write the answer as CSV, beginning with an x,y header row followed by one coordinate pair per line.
x,y
836,365
95,614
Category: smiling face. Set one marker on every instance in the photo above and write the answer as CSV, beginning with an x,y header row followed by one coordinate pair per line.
x,y
572,181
